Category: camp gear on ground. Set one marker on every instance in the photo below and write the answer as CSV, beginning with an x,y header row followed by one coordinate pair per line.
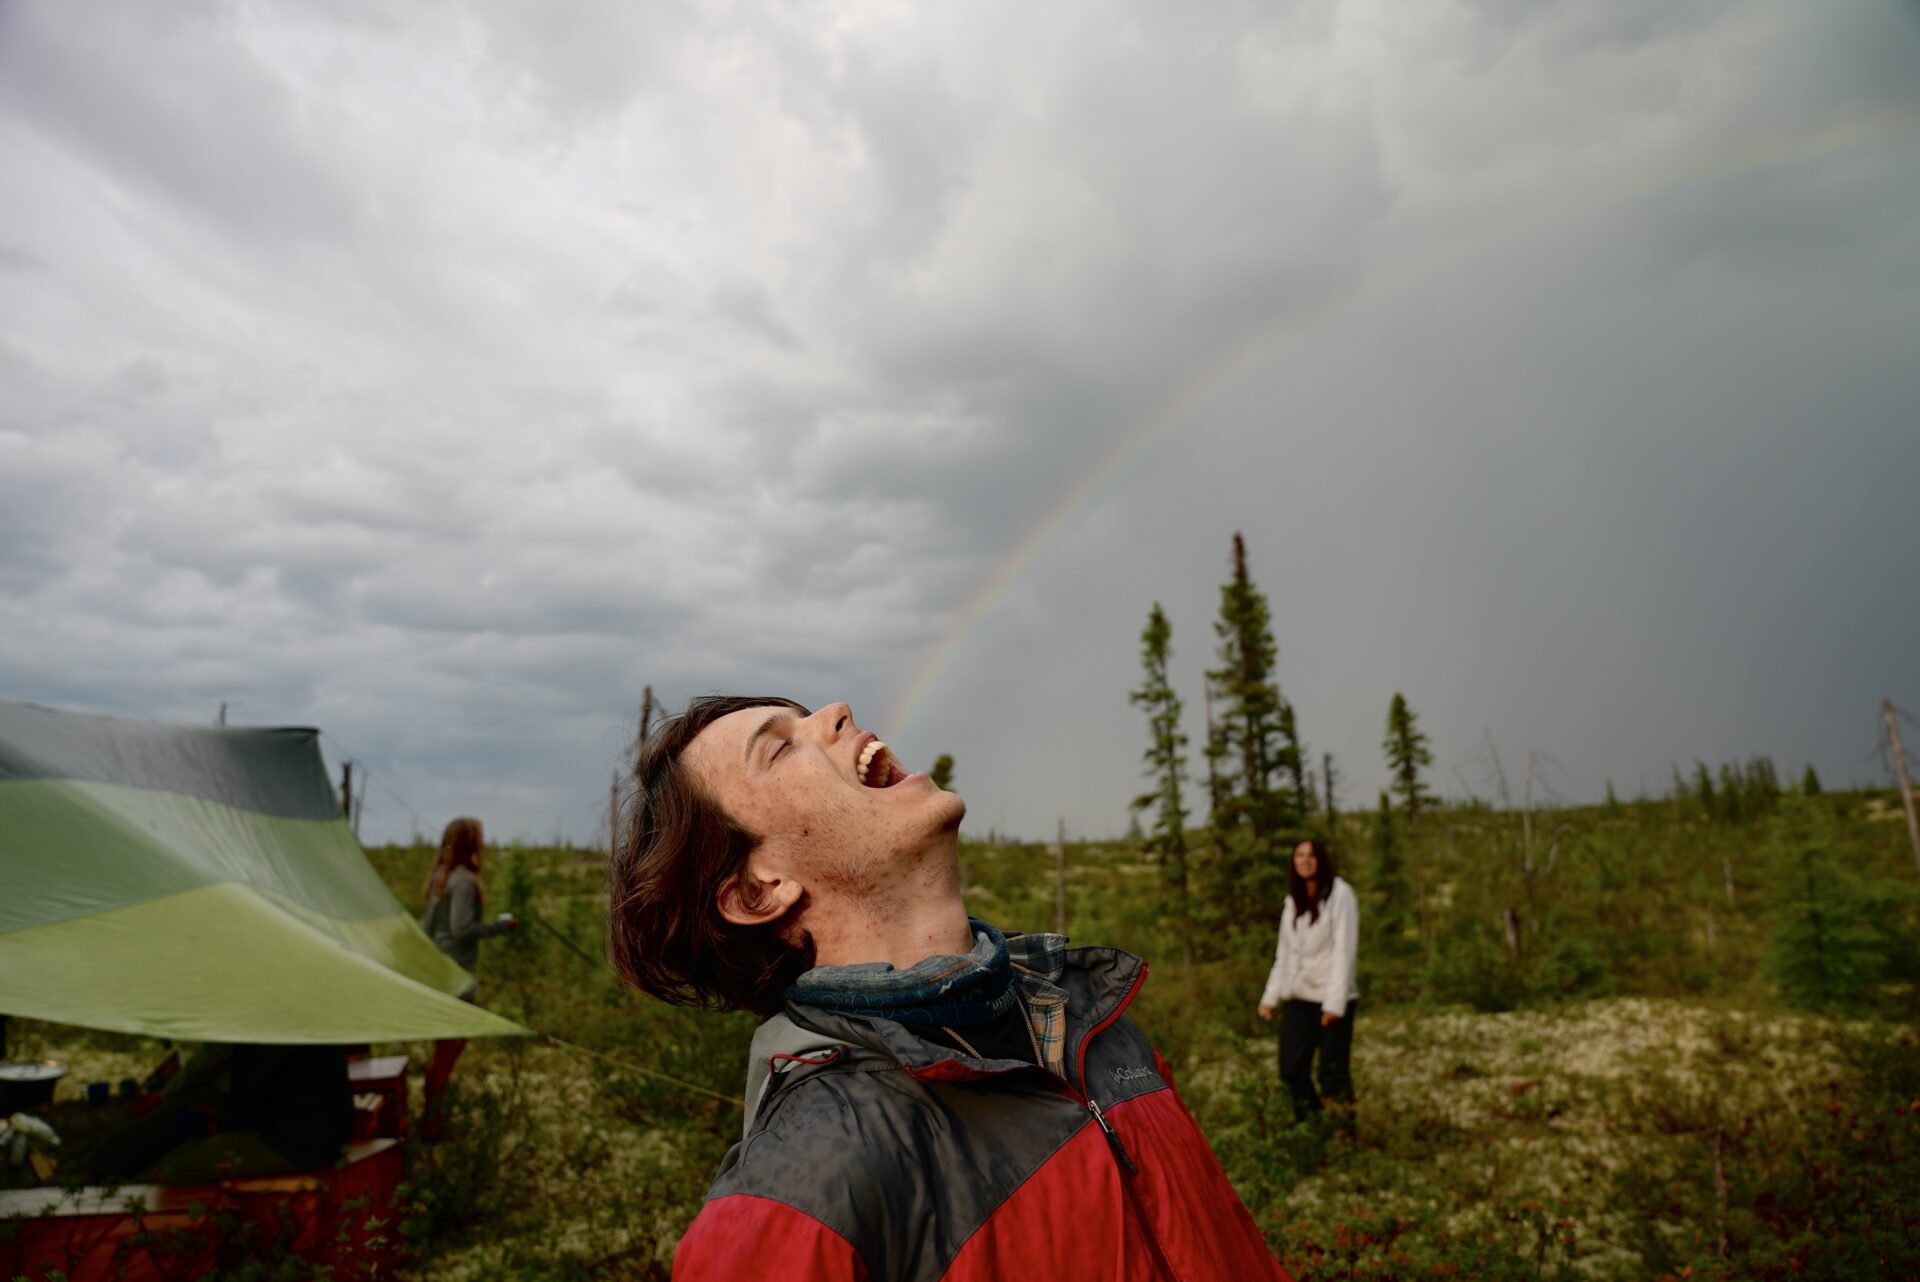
x,y
162,1073
22,1134
294,1101
28,1083
339,1217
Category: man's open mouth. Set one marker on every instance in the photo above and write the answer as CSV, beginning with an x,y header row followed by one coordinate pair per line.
x,y
877,767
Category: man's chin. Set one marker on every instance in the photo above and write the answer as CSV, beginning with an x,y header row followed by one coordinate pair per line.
x,y
939,815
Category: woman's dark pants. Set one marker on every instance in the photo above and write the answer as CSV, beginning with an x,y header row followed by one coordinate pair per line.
x,y
1300,1037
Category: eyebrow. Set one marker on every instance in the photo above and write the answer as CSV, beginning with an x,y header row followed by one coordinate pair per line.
x,y
765,726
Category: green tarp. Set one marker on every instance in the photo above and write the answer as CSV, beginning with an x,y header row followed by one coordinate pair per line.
x,y
199,883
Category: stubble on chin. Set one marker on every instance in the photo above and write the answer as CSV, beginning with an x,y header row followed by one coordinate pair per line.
x,y
852,876
877,862
883,869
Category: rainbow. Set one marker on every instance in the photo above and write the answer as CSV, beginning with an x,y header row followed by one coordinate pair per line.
x,y
1179,407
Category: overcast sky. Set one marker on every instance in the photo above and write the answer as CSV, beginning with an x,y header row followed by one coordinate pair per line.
x,y
442,373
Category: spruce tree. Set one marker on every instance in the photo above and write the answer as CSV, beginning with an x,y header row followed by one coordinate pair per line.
x,y
1762,786
1810,782
1293,760
1250,729
1731,789
1166,765
1220,808
942,772
1392,891
1327,781
1703,789
1407,751
1835,932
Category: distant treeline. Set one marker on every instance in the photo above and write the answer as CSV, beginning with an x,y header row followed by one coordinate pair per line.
x,y
1732,880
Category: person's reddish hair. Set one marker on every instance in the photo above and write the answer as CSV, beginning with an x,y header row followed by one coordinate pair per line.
x,y
459,848
677,849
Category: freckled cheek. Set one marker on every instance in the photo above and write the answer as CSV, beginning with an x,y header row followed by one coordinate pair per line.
x,y
772,809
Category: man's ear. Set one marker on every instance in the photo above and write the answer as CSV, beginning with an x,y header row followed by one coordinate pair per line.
x,y
748,900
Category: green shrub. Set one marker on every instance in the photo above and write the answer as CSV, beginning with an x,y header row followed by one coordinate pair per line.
x,y
1571,967
1472,965
1836,929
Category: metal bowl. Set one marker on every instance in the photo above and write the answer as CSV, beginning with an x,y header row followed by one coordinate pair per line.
x,y
28,1083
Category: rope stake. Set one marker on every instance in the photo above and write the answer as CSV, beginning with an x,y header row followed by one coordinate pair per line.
x,y
644,1072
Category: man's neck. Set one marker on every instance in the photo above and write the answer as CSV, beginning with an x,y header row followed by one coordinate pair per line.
x,y
919,913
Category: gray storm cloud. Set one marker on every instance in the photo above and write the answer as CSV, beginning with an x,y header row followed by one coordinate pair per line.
x,y
443,375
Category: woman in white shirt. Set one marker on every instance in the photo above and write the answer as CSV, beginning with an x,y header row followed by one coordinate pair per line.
x,y
1312,982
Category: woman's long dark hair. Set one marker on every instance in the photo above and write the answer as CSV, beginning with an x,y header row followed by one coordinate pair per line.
x,y
1307,907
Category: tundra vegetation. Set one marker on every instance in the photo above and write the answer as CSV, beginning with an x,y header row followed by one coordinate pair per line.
x,y
1682,1046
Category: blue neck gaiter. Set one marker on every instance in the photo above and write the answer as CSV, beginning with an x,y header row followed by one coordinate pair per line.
x,y
964,990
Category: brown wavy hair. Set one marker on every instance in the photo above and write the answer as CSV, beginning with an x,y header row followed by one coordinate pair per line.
x,y
459,848
677,848
1307,907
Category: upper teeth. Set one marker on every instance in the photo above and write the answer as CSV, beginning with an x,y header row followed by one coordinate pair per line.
x,y
868,755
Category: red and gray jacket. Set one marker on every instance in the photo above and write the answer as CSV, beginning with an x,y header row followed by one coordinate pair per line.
x,y
873,1153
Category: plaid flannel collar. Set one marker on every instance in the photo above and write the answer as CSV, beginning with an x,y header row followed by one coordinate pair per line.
x,y
1039,960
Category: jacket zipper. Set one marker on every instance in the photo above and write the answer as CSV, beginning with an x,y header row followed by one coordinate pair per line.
x,y
1119,1149
1085,1099
1127,1168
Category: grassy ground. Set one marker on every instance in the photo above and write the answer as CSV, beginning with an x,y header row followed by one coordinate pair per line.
x,y
1652,1078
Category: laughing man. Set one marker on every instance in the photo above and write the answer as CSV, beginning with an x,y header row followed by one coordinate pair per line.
x,y
928,1098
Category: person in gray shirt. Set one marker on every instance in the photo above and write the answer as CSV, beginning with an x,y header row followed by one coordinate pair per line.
x,y
452,920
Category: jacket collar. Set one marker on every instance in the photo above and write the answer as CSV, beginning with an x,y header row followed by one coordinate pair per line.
x,y
1086,986
1086,983
964,989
